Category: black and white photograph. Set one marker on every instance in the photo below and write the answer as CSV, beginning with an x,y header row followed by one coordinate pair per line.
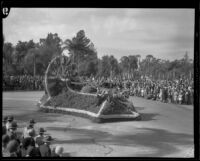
x,y
98,82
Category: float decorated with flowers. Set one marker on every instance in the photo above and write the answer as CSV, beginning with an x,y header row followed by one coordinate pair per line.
x,y
66,93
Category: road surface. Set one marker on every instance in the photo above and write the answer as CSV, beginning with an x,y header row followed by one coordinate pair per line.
x,y
166,130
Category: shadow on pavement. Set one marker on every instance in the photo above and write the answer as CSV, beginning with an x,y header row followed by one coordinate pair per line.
x,y
148,116
139,108
163,141
84,133
37,116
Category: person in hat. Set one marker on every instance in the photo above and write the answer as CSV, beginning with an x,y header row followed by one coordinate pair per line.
x,y
12,131
39,138
32,122
186,97
31,135
30,126
175,95
9,121
45,149
13,147
4,129
180,97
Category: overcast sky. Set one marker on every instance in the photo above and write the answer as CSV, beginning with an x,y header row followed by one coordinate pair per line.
x,y
164,33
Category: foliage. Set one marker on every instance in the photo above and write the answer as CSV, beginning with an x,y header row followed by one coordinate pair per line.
x,y
116,108
8,58
33,58
22,49
108,66
30,57
165,69
55,86
31,61
129,64
49,48
88,89
82,52
67,99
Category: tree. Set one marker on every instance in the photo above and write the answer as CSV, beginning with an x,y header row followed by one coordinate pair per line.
x,y
124,62
186,65
31,61
132,63
52,42
21,50
91,69
8,50
129,64
149,59
105,67
114,67
49,47
80,48
8,53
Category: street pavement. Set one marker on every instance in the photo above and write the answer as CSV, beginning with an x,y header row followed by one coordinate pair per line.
x,y
166,130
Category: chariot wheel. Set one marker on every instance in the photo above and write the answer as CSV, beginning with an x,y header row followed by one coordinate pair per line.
x,y
55,75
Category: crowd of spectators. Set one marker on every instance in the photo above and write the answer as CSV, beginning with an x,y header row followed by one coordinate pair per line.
x,y
23,82
179,91
28,142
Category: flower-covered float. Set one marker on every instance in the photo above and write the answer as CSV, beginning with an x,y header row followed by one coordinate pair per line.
x,y
66,93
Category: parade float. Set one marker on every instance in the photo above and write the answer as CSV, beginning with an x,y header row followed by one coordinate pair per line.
x,y
66,93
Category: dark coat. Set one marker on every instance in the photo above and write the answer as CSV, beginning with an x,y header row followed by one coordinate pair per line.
x,y
45,150
4,130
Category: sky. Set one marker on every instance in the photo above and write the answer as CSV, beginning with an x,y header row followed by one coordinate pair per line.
x,y
164,33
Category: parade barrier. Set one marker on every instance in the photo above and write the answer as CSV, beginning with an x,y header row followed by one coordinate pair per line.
x,y
64,96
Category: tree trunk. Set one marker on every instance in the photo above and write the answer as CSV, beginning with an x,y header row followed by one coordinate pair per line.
x,y
34,68
78,65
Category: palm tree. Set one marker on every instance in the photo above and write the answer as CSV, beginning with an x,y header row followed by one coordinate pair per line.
x,y
78,47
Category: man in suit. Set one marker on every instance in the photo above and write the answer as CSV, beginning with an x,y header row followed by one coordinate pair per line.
x,y
30,126
45,149
39,138
12,131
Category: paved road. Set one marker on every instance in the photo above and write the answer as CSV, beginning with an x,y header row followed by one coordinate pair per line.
x,y
166,130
